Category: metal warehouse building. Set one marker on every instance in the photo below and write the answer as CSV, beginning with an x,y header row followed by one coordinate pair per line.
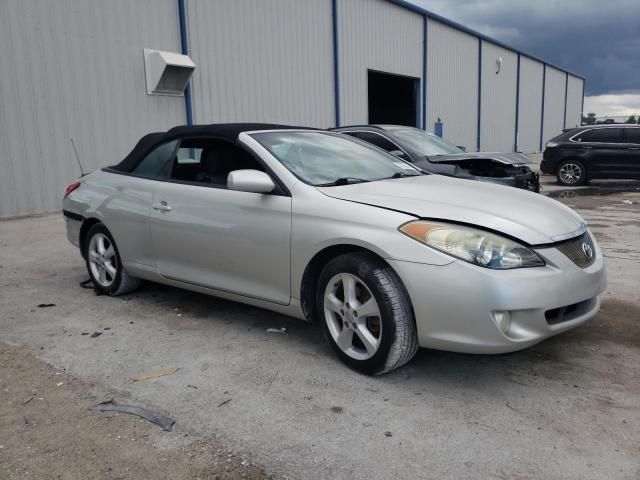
x,y
105,73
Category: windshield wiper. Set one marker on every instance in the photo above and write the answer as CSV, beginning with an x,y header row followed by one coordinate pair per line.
x,y
343,181
403,175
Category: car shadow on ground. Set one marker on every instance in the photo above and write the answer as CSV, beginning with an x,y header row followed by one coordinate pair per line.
x,y
566,358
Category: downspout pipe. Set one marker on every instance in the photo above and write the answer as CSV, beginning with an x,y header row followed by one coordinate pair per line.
x,y
184,48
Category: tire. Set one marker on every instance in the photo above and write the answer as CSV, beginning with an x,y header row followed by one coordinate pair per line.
x,y
571,173
389,330
116,281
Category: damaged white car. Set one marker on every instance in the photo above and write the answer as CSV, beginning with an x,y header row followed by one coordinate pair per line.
x,y
432,154
320,226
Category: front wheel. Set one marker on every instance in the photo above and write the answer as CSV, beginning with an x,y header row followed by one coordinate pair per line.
x,y
366,313
571,173
104,264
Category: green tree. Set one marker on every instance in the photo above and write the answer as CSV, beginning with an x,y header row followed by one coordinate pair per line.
x,y
590,119
631,119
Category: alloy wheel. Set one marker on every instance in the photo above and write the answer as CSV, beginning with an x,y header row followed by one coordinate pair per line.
x,y
102,260
570,173
353,316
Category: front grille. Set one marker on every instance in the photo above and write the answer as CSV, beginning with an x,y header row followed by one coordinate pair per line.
x,y
579,250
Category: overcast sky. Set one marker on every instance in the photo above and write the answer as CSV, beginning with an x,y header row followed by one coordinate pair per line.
x,y
599,39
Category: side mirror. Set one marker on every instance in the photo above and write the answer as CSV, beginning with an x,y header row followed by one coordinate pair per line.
x,y
462,147
253,181
397,153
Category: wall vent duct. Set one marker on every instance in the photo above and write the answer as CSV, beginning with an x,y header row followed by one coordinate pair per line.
x,y
167,73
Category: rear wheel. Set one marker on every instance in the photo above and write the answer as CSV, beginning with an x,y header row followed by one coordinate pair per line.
x,y
571,173
104,264
366,313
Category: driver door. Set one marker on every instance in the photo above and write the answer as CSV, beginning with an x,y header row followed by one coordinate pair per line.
x,y
207,235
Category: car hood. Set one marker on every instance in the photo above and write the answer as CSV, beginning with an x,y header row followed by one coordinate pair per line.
x,y
503,157
529,217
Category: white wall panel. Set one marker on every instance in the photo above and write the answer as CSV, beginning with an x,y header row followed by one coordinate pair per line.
x,y
452,85
264,61
498,107
75,69
574,102
376,35
553,104
530,109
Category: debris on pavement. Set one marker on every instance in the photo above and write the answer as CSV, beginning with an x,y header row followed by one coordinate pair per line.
x,y
627,202
95,334
159,373
27,400
282,330
224,402
46,305
388,434
109,406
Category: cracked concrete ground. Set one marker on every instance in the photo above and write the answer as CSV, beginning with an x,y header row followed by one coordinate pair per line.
x,y
566,408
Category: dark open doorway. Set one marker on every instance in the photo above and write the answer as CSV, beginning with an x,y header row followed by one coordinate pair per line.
x,y
393,99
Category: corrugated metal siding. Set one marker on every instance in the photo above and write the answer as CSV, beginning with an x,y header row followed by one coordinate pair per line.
x,y
498,108
75,69
262,61
530,109
553,104
376,35
574,102
452,85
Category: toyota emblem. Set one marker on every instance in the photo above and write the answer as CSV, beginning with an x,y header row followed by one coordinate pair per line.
x,y
588,251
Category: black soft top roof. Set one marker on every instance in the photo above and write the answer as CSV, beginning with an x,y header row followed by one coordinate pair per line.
x,y
224,131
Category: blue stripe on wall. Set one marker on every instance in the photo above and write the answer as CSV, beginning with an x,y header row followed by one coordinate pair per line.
x,y
479,89
424,73
515,140
336,72
544,84
566,91
184,47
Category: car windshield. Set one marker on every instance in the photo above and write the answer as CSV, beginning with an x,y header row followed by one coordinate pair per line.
x,y
324,159
424,143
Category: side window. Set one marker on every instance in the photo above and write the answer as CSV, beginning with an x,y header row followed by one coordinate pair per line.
x,y
209,161
633,135
377,140
601,135
154,164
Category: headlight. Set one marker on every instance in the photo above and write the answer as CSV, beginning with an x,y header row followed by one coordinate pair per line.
x,y
551,144
472,245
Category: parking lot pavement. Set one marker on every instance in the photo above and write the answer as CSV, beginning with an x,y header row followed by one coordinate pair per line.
x,y
566,408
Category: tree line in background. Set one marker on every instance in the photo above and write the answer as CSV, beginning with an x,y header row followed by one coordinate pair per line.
x,y
590,119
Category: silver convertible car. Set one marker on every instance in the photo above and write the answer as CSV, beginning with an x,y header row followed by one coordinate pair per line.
x,y
323,227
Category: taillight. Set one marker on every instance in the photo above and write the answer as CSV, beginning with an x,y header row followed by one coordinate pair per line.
x,y
70,188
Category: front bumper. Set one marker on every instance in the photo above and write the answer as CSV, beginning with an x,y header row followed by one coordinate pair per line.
x,y
454,304
527,181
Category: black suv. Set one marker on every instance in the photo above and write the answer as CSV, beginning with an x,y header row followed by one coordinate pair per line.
x,y
593,151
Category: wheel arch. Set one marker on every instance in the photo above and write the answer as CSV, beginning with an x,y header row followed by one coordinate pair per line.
x,y
574,158
312,271
84,229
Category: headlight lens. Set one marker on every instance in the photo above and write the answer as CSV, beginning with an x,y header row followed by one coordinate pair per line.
x,y
472,245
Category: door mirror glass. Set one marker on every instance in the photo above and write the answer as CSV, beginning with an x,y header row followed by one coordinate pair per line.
x,y
253,181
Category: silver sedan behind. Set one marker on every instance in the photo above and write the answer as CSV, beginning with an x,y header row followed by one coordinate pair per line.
x,y
323,227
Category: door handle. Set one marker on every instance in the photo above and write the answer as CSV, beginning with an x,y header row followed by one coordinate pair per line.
x,y
162,206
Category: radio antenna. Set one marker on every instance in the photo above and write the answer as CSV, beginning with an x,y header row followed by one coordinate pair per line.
x,y
82,174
